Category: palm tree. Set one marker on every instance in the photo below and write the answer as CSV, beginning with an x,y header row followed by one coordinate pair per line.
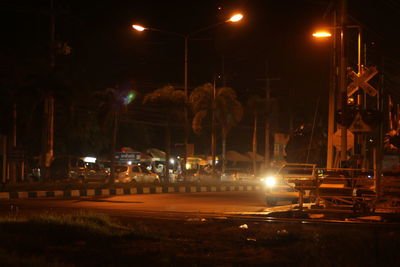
x,y
171,102
112,101
223,105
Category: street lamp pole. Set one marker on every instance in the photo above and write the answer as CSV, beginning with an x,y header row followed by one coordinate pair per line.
x,y
235,18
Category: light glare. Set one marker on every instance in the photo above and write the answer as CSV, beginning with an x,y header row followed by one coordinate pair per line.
x,y
322,34
270,181
89,159
138,28
236,17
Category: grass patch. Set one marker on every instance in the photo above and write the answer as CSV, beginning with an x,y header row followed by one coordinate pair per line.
x,y
64,239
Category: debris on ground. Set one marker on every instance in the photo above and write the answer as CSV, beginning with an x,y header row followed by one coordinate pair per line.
x,y
244,226
282,232
370,218
316,216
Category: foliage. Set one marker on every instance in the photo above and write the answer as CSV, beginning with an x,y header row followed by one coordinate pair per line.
x,y
228,110
166,97
171,102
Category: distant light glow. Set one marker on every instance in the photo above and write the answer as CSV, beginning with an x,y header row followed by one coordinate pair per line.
x,y
236,18
129,98
187,166
270,181
129,162
322,34
89,159
138,28
172,161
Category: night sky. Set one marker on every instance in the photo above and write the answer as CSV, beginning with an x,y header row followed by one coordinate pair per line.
x,y
108,53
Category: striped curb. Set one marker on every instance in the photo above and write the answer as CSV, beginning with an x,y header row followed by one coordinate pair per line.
x,y
125,191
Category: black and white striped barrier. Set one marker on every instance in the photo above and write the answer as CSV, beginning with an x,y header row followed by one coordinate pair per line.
x,y
125,191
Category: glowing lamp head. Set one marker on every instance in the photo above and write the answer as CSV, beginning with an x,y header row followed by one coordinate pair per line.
x,y
89,159
138,27
236,18
322,34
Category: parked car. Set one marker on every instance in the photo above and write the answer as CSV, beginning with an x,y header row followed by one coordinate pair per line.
x,y
75,169
95,173
232,175
134,173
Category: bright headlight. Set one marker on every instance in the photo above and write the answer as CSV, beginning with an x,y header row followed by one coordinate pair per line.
x,y
270,181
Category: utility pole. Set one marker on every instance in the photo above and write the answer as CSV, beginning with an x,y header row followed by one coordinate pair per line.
x,y
213,137
255,143
4,154
48,106
267,158
331,104
343,80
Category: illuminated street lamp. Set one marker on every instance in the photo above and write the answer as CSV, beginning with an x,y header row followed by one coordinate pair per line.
x,y
233,19
331,106
322,34
138,28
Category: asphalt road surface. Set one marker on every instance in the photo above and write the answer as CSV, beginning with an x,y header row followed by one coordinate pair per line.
x,y
153,205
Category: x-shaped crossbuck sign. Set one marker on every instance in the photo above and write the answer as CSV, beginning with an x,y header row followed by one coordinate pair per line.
x,y
361,80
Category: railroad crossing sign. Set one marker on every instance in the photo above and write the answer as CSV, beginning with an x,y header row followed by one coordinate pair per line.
x,y
337,139
361,80
358,125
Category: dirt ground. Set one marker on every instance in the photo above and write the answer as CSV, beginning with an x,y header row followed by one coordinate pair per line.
x,y
201,242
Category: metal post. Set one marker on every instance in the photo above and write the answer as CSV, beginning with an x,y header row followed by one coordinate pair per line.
x,y
13,164
4,163
267,124
342,81
186,66
213,141
255,144
186,103
331,105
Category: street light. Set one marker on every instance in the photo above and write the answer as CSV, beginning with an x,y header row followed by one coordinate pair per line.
x,y
331,104
138,28
322,34
331,107
233,19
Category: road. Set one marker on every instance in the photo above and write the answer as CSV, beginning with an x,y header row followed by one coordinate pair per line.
x,y
148,204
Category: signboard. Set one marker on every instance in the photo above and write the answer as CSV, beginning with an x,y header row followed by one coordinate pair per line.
x,y
125,157
16,155
337,139
361,80
358,125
